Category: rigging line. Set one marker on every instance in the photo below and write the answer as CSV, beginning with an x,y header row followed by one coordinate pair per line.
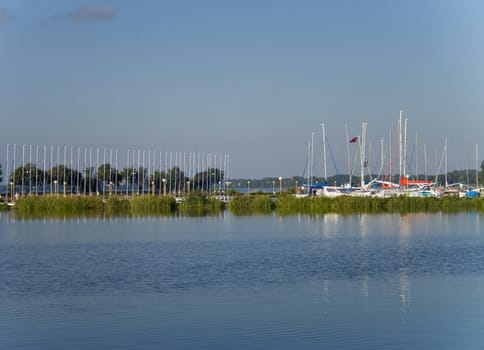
x,y
383,154
392,159
331,154
411,158
305,167
354,162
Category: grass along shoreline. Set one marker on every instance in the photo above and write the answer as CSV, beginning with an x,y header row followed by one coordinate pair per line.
x,y
198,204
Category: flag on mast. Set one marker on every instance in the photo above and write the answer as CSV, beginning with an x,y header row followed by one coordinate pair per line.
x,y
354,139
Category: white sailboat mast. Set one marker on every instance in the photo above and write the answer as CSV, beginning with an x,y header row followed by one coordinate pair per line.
x,y
400,146
446,183
405,149
309,165
362,154
312,156
416,155
477,171
390,160
425,160
348,152
382,158
324,153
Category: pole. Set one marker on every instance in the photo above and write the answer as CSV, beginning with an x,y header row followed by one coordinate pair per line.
x,y
324,153
348,153
36,171
44,172
446,183
312,156
23,170
400,147
416,155
477,171
7,173
425,160
14,156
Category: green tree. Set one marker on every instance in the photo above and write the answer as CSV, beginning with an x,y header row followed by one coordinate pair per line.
x,y
64,176
107,174
134,178
207,180
89,183
127,175
157,179
27,176
176,180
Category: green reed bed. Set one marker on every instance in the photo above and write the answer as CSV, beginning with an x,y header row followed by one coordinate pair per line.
x,y
354,205
152,205
252,204
59,204
198,204
451,204
54,206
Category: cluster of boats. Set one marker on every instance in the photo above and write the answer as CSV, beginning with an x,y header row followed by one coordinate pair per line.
x,y
384,189
375,187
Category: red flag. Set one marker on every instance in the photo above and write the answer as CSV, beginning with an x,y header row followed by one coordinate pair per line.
x,y
354,139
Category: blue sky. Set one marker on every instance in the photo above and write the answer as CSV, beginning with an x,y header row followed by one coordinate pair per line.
x,y
252,79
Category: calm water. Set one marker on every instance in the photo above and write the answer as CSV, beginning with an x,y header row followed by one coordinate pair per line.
x,y
261,282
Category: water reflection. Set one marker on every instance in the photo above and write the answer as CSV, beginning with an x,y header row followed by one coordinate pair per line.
x,y
405,293
361,281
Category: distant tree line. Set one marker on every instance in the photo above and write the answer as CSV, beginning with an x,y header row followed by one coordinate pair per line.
x,y
456,176
107,178
30,178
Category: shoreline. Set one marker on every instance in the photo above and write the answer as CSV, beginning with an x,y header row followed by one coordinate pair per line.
x,y
261,204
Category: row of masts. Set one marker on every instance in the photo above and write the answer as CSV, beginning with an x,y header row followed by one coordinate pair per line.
x,y
402,156
41,168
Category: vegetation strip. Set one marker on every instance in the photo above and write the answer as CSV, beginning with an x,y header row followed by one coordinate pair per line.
x,y
198,204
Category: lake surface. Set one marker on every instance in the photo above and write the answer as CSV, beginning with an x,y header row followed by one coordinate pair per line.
x,y
257,282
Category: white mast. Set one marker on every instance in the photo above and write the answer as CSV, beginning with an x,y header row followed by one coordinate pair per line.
x,y
309,166
30,168
390,160
477,171
416,155
312,156
36,171
446,183
324,153
400,146
405,149
362,154
348,152
382,157
22,184
425,160
13,171
7,174
465,160
44,172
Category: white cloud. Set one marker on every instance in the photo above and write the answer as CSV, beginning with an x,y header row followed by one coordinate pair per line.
x,y
89,13
93,13
4,16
